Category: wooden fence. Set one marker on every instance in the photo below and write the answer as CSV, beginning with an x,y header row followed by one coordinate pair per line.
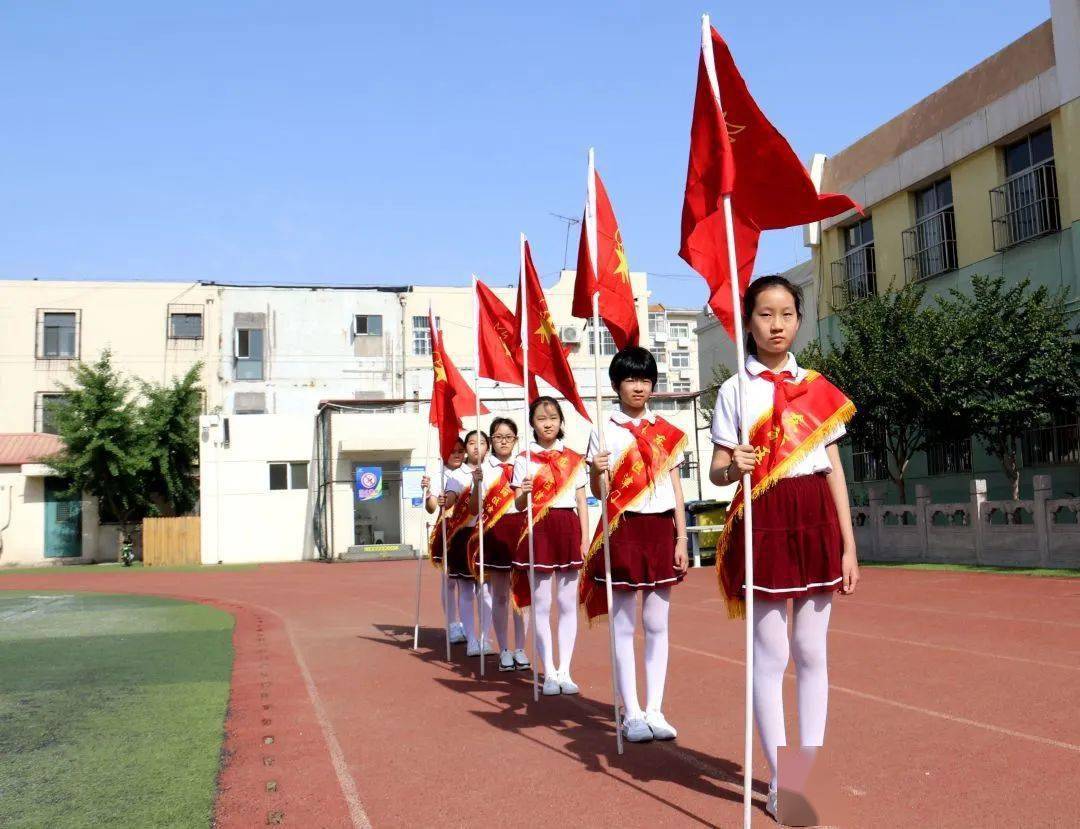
x,y
171,542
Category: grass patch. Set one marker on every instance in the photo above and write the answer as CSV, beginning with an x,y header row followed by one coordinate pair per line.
x,y
111,710
116,567
1044,572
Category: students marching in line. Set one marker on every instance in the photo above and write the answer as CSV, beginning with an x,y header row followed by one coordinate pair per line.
x,y
438,499
556,478
804,547
503,524
647,523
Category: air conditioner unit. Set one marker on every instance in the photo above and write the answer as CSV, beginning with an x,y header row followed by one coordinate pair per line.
x,y
684,342
660,337
661,368
686,374
569,334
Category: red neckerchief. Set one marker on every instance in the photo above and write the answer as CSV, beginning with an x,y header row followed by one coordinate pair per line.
x,y
783,394
644,446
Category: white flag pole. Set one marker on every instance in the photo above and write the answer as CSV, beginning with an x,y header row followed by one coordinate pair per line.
x,y
592,242
479,465
744,438
528,462
419,554
437,334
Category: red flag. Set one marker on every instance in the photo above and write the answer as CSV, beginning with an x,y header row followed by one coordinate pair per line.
x,y
500,339
547,359
613,282
451,397
738,152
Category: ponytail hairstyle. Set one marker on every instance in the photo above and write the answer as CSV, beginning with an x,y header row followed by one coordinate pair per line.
x,y
548,401
756,288
504,421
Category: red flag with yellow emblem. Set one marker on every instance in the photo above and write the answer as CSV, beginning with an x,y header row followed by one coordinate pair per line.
x,y
500,339
547,359
605,269
451,397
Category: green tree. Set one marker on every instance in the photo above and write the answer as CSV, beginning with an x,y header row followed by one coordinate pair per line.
x,y
169,422
104,451
1011,361
886,363
707,398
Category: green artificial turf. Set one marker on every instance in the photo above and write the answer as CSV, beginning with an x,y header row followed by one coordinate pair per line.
x,y
112,710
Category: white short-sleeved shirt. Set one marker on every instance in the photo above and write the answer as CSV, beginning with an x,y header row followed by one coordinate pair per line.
x,y
438,484
493,470
661,497
759,400
569,497
457,482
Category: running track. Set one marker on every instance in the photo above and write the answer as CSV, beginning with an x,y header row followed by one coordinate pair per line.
x,y
955,702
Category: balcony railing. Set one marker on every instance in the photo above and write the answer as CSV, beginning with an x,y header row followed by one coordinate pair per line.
x,y
949,458
1059,444
930,246
1025,207
854,277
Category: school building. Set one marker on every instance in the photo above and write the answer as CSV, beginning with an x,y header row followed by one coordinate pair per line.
x,y
980,177
304,386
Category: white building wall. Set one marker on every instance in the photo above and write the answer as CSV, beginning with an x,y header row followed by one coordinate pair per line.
x,y
22,521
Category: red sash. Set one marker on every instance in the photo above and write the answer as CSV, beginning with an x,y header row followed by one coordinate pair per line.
x,y
655,452
802,416
456,518
497,503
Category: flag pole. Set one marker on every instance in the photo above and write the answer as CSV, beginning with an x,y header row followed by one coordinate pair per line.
x,y
427,535
591,241
744,438
437,335
479,465
528,460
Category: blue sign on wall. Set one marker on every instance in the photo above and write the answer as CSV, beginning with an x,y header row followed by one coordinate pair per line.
x,y
368,483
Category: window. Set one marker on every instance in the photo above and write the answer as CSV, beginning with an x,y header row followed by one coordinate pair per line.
x,y
185,326
292,475
868,459
949,458
421,327
59,339
930,246
680,358
1058,443
661,383
44,409
367,325
249,354
1026,205
679,330
607,342
680,386
659,353
657,326
688,465
855,276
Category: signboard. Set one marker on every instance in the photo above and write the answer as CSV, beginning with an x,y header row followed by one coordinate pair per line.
x,y
410,482
368,483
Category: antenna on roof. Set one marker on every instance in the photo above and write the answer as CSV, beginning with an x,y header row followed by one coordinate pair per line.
x,y
570,222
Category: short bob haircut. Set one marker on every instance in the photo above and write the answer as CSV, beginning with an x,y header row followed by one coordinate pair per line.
x,y
632,363
757,287
504,421
548,401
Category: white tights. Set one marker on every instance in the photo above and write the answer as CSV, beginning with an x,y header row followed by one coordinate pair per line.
x,y
655,605
495,601
567,597
771,651
454,614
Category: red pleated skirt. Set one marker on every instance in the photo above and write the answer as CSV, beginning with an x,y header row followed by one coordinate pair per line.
x,y
457,561
797,543
501,540
642,553
556,542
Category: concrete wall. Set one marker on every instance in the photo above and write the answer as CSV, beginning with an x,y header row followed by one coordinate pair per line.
x,y
22,522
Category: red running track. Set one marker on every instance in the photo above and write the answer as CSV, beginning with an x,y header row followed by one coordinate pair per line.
x,y
955,702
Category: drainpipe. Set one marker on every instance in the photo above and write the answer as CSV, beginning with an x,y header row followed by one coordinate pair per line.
x,y
401,302
7,523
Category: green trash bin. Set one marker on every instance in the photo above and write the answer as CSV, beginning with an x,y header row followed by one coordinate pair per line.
x,y
705,514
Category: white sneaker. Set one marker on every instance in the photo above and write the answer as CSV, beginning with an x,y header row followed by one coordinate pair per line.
x,y
521,660
567,685
552,687
661,728
457,633
473,648
770,803
506,661
636,730
489,649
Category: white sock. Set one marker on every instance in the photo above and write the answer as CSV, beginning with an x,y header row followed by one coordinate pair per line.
x,y
623,616
655,605
770,661
521,627
541,604
497,596
568,602
467,607
810,628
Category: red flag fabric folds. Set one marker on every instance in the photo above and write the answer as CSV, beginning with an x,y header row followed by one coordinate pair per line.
x,y
500,339
738,152
451,397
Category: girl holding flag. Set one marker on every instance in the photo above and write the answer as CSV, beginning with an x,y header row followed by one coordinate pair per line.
x,y
556,478
647,527
803,544
465,483
503,525
440,498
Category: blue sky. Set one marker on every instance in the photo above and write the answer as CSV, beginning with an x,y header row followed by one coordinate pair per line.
x,y
388,143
